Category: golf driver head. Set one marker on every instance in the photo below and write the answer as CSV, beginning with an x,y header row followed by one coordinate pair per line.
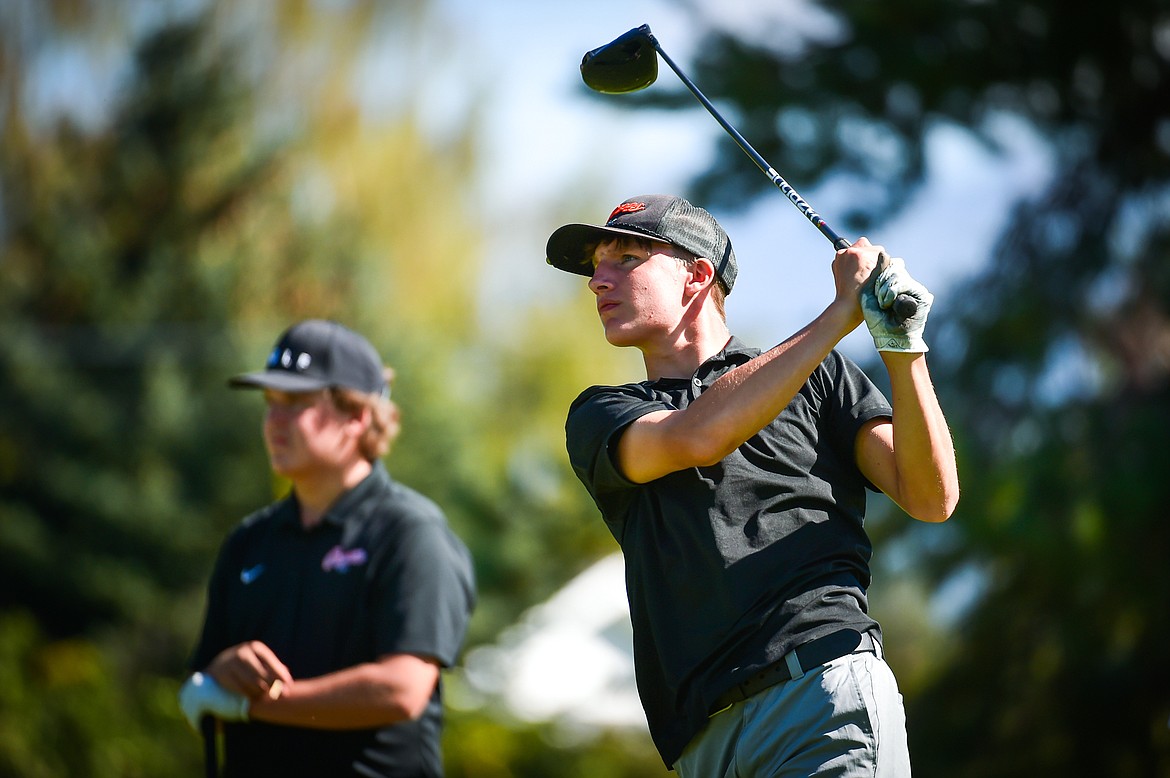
x,y
626,64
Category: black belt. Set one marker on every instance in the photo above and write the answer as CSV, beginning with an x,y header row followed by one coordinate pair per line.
x,y
812,654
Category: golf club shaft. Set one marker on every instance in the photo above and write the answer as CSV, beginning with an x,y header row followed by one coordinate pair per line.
x,y
904,306
801,204
207,727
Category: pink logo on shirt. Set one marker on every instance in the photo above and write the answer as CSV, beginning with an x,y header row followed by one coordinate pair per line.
x,y
341,560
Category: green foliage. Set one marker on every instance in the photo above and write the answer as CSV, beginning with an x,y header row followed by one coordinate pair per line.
x,y
67,709
115,346
1053,364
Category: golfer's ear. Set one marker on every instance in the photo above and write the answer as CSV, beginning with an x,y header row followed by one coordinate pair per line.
x,y
702,272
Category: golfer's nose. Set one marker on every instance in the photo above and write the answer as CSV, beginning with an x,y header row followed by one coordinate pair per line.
x,y
600,281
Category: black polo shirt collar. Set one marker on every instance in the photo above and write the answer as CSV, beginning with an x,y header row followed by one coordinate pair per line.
x,y
344,506
734,353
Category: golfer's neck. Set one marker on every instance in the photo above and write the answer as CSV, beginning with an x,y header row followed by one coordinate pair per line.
x,y
680,356
316,493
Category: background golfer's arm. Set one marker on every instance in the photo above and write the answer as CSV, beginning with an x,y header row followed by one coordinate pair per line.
x,y
373,694
741,403
911,459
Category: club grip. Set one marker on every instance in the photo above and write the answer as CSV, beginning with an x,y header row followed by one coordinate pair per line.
x,y
904,307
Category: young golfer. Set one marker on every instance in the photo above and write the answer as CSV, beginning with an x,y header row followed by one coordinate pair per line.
x,y
735,482
332,611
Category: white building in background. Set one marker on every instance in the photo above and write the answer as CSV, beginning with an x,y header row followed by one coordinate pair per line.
x,y
569,660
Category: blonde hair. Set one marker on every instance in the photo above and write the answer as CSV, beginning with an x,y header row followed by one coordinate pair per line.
x,y
385,420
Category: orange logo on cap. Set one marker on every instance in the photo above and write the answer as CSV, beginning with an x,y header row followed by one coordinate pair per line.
x,y
626,208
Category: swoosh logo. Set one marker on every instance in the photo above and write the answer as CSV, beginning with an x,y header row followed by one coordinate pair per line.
x,y
250,574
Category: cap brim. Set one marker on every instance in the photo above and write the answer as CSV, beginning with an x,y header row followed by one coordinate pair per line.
x,y
566,247
280,380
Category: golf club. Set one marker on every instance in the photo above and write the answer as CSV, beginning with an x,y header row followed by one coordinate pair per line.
x,y
209,730
630,62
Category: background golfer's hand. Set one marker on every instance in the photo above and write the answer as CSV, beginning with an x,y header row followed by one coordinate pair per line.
x,y
250,669
201,695
889,280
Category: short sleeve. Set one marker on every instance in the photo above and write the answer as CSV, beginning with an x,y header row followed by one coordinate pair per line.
x,y
855,399
423,593
594,425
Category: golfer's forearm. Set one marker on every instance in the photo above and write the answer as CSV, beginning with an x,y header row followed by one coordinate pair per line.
x,y
928,481
356,698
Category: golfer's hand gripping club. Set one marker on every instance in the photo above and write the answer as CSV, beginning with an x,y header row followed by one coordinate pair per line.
x,y
201,696
903,306
892,332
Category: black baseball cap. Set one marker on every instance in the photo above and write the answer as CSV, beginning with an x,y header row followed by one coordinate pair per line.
x,y
316,354
666,218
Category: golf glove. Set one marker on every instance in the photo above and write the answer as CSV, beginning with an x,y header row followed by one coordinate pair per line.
x,y
890,279
201,695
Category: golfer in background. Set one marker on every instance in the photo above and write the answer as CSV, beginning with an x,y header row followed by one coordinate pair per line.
x,y
332,611
735,482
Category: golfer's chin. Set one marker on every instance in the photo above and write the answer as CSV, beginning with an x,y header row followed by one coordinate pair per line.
x,y
617,335
282,462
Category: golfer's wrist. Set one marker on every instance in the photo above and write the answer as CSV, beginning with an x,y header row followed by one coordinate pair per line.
x,y
842,316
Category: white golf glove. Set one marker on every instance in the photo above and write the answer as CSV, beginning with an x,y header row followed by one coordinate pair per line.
x,y
889,280
201,695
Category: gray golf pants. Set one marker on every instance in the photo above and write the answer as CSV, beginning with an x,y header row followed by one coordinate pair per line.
x,y
843,719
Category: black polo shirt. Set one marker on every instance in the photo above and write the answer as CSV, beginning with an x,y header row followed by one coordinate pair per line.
x,y
382,573
729,567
